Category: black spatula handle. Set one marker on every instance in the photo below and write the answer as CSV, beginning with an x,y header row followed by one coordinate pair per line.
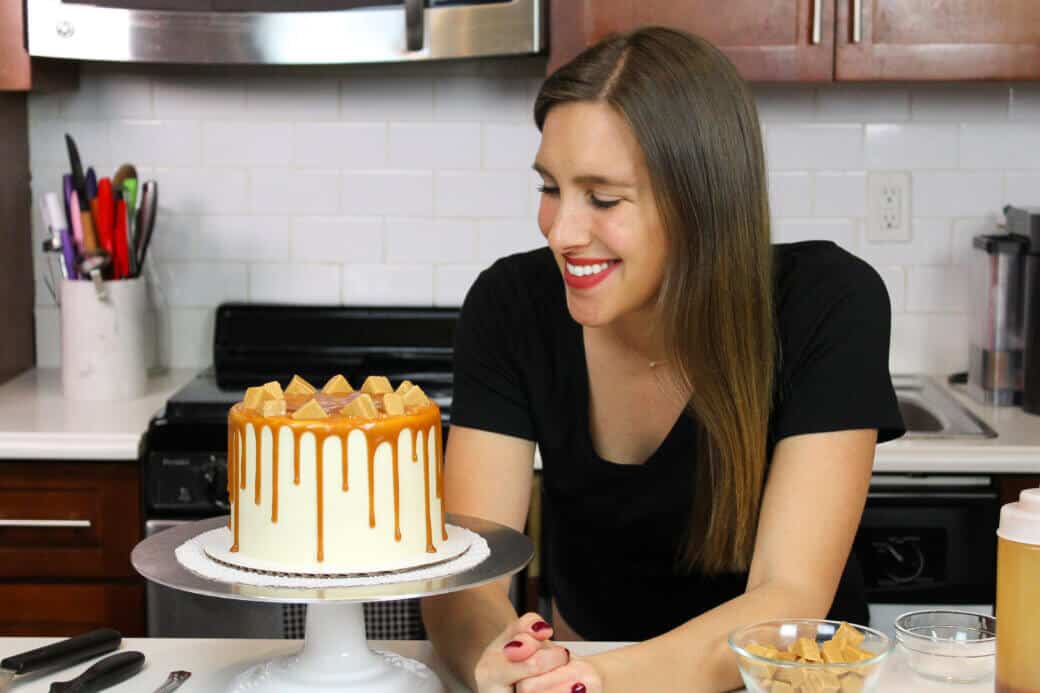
x,y
104,674
64,653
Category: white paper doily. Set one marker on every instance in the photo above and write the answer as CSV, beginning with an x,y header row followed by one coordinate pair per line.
x,y
217,544
192,556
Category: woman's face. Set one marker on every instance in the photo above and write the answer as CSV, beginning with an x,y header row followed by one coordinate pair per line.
x,y
598,213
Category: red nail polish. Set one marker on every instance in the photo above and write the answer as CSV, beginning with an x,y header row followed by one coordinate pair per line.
x,y
540,625
578,688
514,643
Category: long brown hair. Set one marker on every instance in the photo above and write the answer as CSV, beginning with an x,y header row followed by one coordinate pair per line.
x,y
697,126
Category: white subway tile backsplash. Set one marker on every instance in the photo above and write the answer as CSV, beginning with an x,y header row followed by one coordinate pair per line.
x,y
790,193
246,144
297,98
911,146
1022,189
507,145
400,285
180,95
1025,101
157,142
388,193
1000,145
337,239
500,237
812,147
955,193
295,283
196,191
936,289
434,145
199,284
841,194
430,241
861,103
339,145
841,231
386,98
959,102
929,245
289,191
482,194
452,282
397,184
780,102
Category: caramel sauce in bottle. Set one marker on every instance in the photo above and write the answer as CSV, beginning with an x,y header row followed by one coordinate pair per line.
x,y
1018,596
384,429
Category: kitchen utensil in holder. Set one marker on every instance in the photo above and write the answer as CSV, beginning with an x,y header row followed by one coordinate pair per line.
x,y
107,339
335,654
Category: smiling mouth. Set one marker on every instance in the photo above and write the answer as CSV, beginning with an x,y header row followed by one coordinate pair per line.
x,y
588,270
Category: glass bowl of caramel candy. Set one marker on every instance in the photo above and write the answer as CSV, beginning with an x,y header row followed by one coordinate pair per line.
x,y
810,656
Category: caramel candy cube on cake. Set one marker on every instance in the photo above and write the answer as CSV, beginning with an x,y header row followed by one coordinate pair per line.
x,y
254,398
299,386
377,385
337,385
393,404
274,389
273,407
404,387
415,397
362,406
311,410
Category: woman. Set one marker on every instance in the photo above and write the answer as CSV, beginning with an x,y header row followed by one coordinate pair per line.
x,y
706,405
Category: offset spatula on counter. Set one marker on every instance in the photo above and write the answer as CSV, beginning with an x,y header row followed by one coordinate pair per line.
x,y
62,654
104,674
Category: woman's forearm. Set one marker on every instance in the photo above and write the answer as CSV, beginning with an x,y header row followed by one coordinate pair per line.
x,y
461,624
696,656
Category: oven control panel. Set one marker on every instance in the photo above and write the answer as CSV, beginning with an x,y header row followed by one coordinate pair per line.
x,y
188,483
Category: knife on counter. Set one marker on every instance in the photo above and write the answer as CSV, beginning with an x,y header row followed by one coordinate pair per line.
x,y
104,674
79,184
64,653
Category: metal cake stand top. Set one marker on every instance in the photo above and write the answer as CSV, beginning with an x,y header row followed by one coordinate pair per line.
x,y
154,559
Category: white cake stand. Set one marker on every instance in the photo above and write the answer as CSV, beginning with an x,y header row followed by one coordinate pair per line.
x,y
335,655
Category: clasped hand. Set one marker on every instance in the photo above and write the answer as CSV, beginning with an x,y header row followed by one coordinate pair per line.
x,y
524,659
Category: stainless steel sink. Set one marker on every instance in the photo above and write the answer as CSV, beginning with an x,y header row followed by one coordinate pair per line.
x,y
930,412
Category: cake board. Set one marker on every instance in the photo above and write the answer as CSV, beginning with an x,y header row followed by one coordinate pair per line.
x,y
335,654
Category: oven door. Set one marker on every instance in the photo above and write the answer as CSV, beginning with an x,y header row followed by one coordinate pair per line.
x,y
281,31
177,614
928,542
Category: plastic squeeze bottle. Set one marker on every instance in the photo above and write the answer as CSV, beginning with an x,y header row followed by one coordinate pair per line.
x,y
1018,595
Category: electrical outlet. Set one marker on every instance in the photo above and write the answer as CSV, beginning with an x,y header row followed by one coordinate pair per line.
x,y
888,218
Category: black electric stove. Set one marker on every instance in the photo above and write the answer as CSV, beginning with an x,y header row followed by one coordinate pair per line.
x,y
185,464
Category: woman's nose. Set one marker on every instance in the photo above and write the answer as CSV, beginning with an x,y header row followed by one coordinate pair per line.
x,y
569,229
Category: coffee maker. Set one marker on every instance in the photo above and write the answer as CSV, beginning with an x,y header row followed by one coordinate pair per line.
x,y
1004,366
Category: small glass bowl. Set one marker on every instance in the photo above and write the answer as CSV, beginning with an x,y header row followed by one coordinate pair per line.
x,y
948,646
759,672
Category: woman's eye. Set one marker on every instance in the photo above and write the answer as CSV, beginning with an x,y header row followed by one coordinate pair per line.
x,y
548,189
602,203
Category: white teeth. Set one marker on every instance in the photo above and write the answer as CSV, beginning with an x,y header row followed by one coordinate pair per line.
x,y
586,270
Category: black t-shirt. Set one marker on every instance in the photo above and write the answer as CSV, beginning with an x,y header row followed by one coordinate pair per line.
x,y
612,530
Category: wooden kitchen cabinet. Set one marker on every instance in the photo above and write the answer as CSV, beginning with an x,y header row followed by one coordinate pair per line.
x,y
768,40
66,533
938,40
19,72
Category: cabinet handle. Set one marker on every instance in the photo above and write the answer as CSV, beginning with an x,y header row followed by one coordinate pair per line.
x,y
817,21
44,523
414,29
857,21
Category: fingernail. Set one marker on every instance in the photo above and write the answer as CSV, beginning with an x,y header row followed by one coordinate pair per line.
x,y
578,688
568,652
540,625
514,643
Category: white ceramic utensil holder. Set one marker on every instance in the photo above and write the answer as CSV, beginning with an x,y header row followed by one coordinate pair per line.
x,y
107,341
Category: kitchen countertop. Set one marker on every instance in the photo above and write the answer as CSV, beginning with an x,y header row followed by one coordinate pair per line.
x,y
214,663
37,422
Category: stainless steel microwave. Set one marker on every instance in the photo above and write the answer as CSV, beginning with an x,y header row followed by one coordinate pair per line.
x,y
283,32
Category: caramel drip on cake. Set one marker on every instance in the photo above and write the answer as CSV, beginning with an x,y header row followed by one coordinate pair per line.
x,y
377,432
274,471
258,437
230,476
